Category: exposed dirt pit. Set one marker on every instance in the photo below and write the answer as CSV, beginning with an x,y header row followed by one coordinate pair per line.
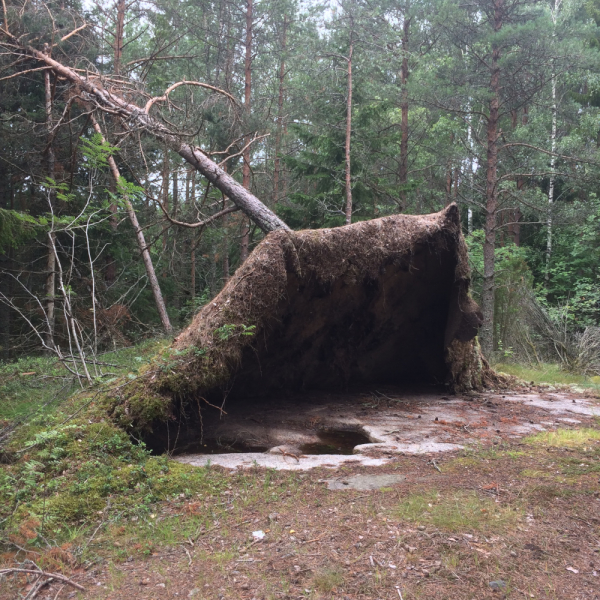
x,y
320,429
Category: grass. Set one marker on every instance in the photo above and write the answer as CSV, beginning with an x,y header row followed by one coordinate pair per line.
x,y
328,579
547,373
565,438
456,511
36,384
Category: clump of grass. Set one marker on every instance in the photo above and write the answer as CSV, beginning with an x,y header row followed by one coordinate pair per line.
x,y
456,511
565,437
328,579
546,373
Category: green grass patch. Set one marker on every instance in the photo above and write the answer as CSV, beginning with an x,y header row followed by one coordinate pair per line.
x,y
456,511
547,373
36,384
565,438
328,579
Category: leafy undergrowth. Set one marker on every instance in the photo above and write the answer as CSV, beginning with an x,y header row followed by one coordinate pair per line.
x,y
67,464
547,373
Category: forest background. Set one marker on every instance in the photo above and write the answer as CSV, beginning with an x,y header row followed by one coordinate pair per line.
x,y
330,114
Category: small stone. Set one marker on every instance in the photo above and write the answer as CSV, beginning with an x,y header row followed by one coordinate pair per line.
x,y
161,585
421,527
497,585
193,592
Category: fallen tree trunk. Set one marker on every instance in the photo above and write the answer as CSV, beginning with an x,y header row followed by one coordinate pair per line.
x,y
381,301
262,216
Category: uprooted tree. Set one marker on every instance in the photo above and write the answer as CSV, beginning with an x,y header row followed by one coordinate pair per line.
x,y
382,300
385,300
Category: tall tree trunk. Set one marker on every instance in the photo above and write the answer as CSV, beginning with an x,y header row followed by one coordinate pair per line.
x,y
118,43
551,189
491,192
193,268
514,229
278,135
403,172
154,285
245,241
471,169
165,197
348,210
50,252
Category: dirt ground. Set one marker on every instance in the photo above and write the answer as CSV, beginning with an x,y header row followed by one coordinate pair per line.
x,y
505,516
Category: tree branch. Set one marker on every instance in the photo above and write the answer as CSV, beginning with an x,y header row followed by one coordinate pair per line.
x,y
165,97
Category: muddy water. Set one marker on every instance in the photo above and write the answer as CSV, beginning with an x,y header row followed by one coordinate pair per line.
x,y
335,442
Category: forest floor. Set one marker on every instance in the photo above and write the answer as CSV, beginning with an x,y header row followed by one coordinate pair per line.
x,y
506,516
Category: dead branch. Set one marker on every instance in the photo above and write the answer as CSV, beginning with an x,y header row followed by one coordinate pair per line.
x,y
75,31
165,96
264,218
154,58
24,73
203,223
43,574
254,139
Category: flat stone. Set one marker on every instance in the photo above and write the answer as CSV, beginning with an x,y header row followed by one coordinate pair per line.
x,y
279,462
364,482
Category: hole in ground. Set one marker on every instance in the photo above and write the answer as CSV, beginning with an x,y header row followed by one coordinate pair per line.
x,y
329,441
333,441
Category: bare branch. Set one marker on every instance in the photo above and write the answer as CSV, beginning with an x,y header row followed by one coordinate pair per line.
x,y
24,73
254,139
193,83
66,37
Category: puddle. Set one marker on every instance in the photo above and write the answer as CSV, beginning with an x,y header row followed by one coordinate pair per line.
x,y
219,446
335,442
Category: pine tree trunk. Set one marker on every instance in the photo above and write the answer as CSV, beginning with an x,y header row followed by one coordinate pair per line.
x,y
50,288
277,165
246,182
403,172
348,210
551,189
264,218
489,245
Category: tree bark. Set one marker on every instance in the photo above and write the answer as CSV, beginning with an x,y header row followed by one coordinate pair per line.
x,y
278,135
489,246
50,257
403,172
245,241
348,210
118,43
154,285
264,218
551,185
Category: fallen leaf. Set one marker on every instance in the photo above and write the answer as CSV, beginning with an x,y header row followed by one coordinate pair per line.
x,y
572,570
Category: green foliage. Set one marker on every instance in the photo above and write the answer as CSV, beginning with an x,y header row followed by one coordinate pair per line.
x,y
229,330
96,151
16,228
